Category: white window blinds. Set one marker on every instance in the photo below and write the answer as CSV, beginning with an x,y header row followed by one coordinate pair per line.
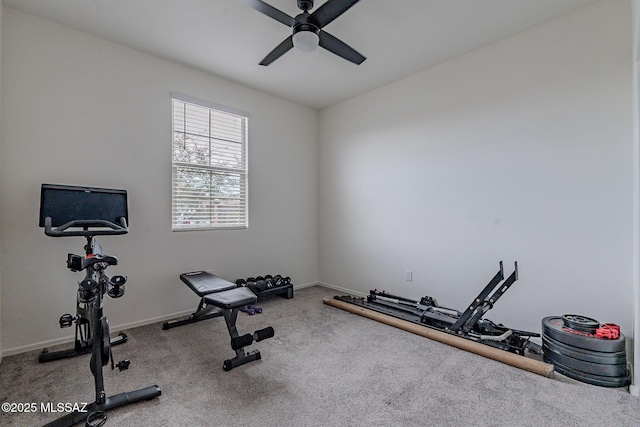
x,y
209,166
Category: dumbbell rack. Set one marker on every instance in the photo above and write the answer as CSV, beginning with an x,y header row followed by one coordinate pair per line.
x,y
285,291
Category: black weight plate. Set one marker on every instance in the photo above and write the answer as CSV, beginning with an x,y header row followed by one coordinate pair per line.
x,y
580,323
622,381
585,355
552,327
586,367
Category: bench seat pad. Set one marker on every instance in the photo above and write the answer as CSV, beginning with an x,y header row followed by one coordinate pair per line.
x,y
233,298
203,282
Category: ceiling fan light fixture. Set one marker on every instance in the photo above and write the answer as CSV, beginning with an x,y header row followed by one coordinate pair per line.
x,y
306,38
308,32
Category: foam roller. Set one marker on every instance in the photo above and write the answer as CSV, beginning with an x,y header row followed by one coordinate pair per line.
x,y
243,341
263,334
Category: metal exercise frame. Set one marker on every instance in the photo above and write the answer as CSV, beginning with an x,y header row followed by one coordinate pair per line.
x,y
468,324
60,205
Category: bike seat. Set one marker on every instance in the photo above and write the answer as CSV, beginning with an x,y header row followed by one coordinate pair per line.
x,y
96,259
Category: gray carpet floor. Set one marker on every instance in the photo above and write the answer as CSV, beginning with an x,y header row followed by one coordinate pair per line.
x,y
324,367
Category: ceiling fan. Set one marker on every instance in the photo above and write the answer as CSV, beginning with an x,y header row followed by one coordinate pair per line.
x,y
307,29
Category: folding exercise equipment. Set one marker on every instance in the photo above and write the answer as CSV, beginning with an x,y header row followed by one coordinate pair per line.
x,y
468,324
89,212
219,297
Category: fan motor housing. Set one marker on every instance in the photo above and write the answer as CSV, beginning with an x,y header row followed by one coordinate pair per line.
x,y
305,4
306,27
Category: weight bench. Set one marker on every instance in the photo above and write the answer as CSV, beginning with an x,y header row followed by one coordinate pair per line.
x,y
219,297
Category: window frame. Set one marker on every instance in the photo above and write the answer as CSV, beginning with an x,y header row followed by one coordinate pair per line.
x,y
243,224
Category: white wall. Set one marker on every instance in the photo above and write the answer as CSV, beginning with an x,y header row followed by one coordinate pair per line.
x,y
635,387
83,111
1,11
518,151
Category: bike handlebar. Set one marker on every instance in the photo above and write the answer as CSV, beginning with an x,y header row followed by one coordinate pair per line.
x,y
106,228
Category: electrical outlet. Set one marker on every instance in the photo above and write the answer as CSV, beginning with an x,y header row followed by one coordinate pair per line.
x,y
408,275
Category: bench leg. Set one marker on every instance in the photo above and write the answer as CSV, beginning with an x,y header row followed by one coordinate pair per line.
x,y
238,343
203,312
241,359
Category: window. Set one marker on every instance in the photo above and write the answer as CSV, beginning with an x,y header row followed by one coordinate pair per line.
x,y
209,188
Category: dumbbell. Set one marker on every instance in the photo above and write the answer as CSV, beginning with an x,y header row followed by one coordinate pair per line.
x,y
247,309
261,285
269,280
281,281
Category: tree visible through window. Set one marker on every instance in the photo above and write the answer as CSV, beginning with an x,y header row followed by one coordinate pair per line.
x,y
209,166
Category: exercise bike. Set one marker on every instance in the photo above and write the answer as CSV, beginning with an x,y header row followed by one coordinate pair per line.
x,y
89,212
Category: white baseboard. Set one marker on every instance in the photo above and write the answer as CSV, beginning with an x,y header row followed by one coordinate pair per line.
x,y
634,390
36,346
114,328
304,285
343,290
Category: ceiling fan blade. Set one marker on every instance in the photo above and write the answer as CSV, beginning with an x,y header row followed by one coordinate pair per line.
x,y
340,48
270,11
330,11
280,50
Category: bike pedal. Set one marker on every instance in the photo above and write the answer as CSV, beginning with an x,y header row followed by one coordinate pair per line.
x,y
66,320
123,365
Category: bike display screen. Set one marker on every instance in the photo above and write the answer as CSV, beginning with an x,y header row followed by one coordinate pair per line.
x,y
66,203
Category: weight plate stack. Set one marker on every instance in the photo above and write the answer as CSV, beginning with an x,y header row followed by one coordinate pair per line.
x,y
579,323
570,344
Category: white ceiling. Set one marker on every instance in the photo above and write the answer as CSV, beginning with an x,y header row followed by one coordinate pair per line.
x,y
229,39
